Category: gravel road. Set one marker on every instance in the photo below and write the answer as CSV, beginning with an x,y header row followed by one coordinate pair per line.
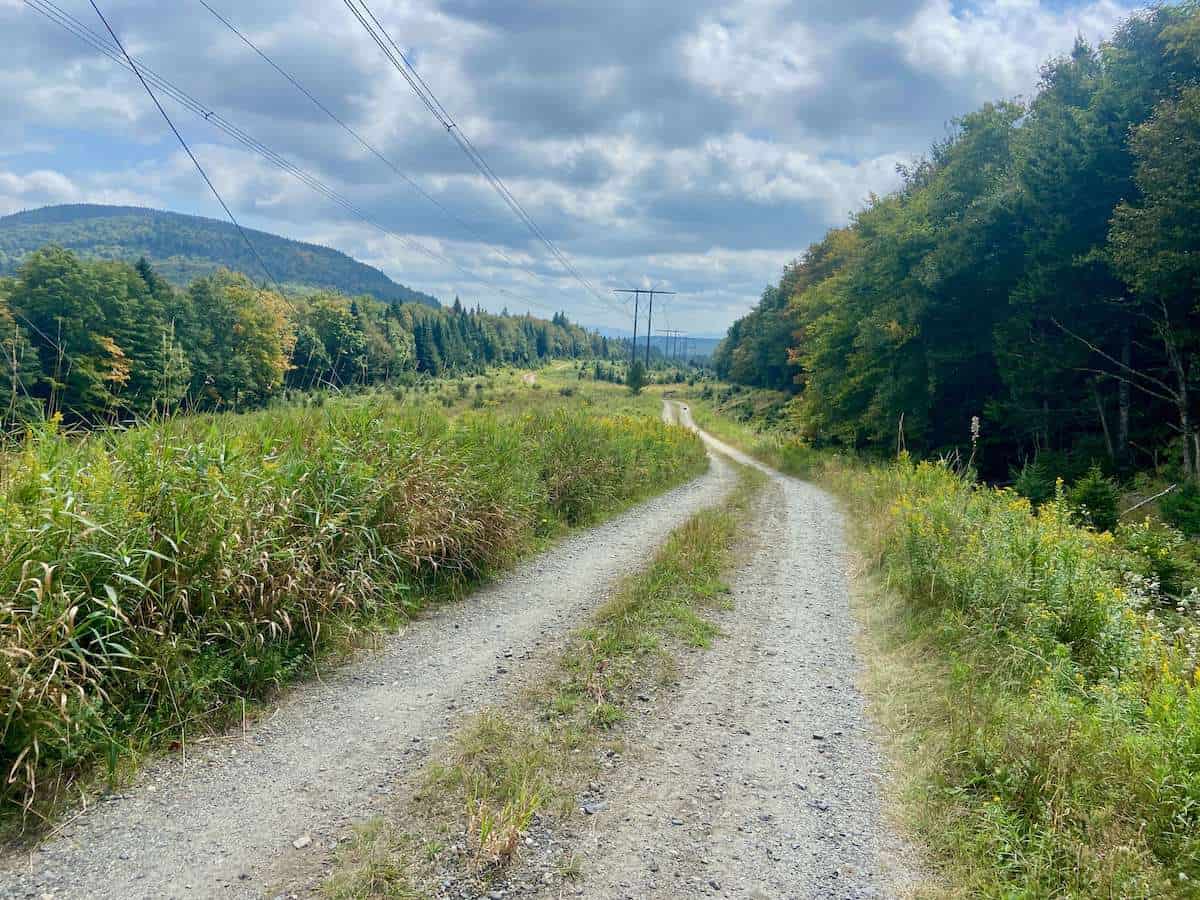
x,y
761,779
218,823
758,777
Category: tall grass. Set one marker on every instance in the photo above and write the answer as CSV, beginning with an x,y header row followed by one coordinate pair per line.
x,y
149,579
1051,698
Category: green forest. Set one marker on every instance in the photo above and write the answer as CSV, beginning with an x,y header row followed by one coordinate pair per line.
x,y
110,341
1032,286
183,248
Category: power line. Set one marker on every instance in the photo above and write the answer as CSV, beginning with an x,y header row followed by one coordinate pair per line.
x,y
362,12
670,341
366,145
199,168
402,64
146,74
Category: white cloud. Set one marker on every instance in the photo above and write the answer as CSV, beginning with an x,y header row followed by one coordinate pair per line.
x,y
721,139
998,46
748,55
42,187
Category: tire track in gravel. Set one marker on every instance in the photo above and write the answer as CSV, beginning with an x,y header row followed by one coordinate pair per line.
x,y
221,823
762,778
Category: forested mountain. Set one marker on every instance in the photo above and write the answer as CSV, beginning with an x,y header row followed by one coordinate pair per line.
x,y
183,248
100,340
1039,270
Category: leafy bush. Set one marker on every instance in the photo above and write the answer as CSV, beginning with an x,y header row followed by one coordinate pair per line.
x,y
1096,499
149,579
1163,555
635,378
1060,715
1181,508
1034,482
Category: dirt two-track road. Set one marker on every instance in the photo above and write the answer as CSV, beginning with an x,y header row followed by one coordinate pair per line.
x,y
758,778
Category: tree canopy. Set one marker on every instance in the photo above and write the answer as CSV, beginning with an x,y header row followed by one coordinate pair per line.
x,y
1040,269
109,340
183,248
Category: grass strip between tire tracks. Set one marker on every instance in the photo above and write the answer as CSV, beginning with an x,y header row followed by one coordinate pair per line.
x,y
529,762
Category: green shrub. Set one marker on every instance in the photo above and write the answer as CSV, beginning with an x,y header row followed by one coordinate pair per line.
x,y
1059,712
1034,483
1096,499
1181,507
1163,554
1038,477
636,378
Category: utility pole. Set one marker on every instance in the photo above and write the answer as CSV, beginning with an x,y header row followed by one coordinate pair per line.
x,y
649,318
671,343
637,293
649,315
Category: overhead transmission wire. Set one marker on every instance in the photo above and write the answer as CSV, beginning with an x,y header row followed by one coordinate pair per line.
x,y
435,106
362,12
366,145
188,150
147,75
362,141
56,344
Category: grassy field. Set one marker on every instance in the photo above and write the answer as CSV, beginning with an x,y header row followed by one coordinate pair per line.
x,y
153,579
555,385
535,756
1042,686
1039,680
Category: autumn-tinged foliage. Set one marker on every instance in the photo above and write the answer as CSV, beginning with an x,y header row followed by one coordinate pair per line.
x,y
1040,270
105,341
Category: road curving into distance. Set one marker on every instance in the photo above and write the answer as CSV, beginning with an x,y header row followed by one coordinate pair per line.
x,y
763,778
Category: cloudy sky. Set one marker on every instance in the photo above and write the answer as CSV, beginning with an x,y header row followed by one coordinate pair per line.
x,y
686,144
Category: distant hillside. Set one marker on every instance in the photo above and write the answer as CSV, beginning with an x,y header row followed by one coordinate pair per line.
x,y
697,347
183,248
